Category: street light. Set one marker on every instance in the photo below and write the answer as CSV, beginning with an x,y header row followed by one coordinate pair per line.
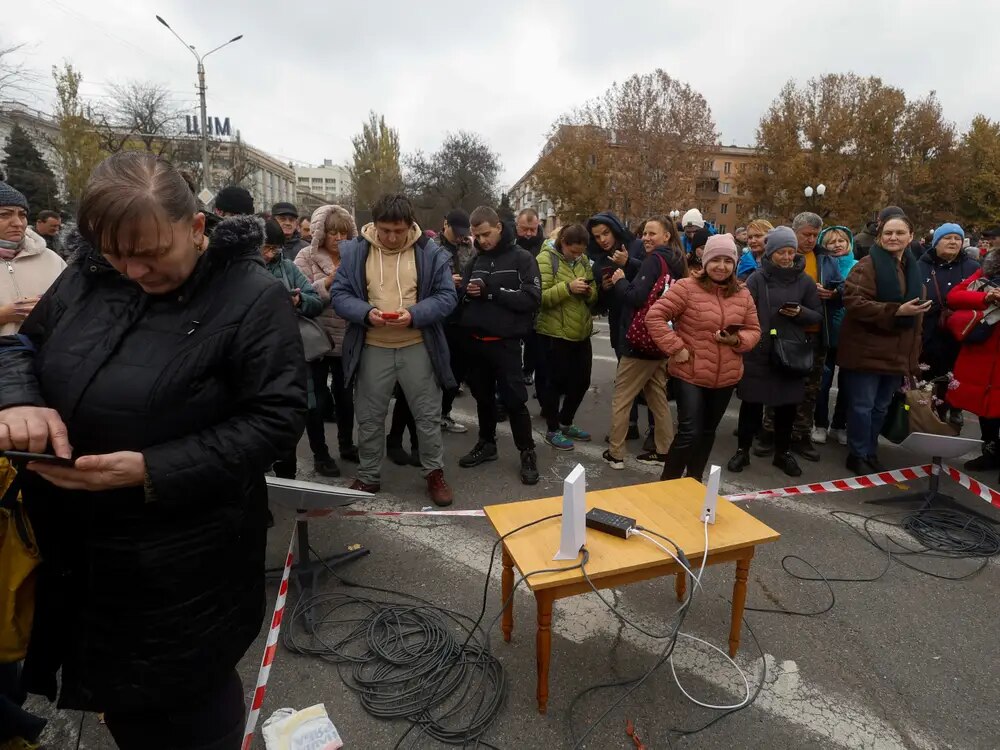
x,y
819,191
675,215
201,94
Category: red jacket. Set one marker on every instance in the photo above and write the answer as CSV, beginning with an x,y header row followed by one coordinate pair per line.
x,y
697,316
978,367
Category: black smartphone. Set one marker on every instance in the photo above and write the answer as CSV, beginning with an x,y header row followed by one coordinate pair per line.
x,y
789,306
42,458
733,329
831,286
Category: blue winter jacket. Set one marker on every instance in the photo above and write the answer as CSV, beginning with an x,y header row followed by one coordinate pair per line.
x,y
747,265
436,298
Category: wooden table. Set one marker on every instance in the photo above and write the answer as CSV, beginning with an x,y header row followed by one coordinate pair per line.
x,y
670,508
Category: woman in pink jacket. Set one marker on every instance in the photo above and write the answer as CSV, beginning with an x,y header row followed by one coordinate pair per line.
x,y
714,324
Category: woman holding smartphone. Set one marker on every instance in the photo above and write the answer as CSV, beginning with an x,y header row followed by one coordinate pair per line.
x,y
714,325
785,297
884,297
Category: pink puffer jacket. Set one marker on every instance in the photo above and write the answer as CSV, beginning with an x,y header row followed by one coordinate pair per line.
x,y
697,316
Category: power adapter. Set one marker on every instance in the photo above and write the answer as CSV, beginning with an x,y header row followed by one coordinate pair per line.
x,y
610,523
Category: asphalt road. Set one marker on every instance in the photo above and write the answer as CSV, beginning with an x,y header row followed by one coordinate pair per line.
x,y
908,661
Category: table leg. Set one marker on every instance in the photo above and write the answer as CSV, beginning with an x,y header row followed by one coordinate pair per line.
x,y
680,583
507,594
739,600
543,646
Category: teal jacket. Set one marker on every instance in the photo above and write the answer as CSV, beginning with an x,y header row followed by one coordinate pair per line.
x,y
564,315
845,264
289,274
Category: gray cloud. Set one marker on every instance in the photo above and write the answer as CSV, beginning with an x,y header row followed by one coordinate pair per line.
x,y
305,75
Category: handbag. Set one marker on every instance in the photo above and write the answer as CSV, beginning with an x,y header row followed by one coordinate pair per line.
x,y
792,350
637,335
913,411
315,341
18,560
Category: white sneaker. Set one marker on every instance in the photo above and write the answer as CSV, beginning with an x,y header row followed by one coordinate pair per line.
x,y
818,435
839,435
450,425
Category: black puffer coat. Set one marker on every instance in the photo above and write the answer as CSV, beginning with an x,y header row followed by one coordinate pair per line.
x,y
142,598
762,382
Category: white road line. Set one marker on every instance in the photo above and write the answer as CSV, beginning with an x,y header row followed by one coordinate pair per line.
x,y
840,720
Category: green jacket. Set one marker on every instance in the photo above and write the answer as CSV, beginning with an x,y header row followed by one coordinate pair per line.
x,y
564,315
292,277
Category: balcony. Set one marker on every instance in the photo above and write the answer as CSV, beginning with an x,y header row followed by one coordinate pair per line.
x,y
709,174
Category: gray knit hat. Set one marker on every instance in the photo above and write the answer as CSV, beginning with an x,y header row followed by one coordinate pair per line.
x,y
778,238
11,197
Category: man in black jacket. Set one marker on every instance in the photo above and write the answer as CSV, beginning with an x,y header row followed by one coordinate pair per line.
x,y
501,292
287,216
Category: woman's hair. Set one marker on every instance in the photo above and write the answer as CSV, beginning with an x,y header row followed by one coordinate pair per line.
x,y
730,288
125,189
900,216
338,219
832,233
572,234
665,221
761,225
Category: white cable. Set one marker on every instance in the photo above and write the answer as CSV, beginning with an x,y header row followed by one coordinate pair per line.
x,y
691,698
649,538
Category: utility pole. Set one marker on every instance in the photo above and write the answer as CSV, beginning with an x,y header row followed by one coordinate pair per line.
x,y
205,169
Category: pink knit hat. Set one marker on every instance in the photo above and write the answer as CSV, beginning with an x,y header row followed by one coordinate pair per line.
x,y
719,245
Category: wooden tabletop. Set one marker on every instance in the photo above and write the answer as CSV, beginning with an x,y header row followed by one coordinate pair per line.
x,y
670,508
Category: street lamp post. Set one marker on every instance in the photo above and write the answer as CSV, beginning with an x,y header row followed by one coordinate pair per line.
x,y
674,215
201,94
815,194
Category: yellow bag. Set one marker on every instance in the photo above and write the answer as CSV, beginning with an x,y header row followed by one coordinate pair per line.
x,y
18,560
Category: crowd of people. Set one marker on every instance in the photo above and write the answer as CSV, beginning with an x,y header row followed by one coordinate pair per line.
x,y
172,356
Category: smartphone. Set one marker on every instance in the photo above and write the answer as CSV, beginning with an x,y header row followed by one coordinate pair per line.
x,y
42,458
733,329
390,316
831,286
607,273
788,306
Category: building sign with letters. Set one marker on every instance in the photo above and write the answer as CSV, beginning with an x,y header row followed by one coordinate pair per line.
x,y
213,126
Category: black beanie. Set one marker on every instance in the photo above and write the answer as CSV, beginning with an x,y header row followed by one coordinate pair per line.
x,y
273,233
700,239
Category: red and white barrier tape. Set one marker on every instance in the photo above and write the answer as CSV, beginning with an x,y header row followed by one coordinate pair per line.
x,y
988,494
270,648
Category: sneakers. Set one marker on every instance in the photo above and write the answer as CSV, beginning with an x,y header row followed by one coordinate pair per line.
x,y
438,489
398,455
652,458
649,444
529,467
480,454
357,484
818,435
575,434
618,464
859,466
787,463
765,444
325,466
559,441
806,449
739,461
350,453
633,432
838,434
990,459
450,425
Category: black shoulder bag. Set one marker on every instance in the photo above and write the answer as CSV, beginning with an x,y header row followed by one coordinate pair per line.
x,y
792,350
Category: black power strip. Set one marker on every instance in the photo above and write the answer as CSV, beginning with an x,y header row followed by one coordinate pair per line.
x,y
610,523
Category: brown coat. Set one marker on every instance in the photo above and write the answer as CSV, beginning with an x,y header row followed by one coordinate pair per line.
x,y
697,316
870,340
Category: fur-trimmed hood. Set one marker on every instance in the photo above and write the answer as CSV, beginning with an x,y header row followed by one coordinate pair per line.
x,y
991,264
317,223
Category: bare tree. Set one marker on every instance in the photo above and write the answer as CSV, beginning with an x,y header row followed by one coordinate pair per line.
x,y
14,74
139,114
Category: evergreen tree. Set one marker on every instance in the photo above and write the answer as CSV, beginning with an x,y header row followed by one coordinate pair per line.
x,y
27,171
504,209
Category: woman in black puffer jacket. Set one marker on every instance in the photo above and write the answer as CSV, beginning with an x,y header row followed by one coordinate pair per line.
x,y
177,376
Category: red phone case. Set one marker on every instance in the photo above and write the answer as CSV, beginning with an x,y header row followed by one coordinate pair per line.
x,y
390,316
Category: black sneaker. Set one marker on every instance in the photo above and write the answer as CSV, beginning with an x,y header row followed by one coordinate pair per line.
x,y
529,467
765,444
633,432
325,466
806,449
859,466
990,459
739,461
480,454
652,458
398,455
618,464
787,463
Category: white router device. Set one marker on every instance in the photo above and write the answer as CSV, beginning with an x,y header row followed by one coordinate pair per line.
x,y
711,495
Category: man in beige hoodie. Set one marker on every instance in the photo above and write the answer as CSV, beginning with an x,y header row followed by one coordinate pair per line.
x,y
395,289
28,266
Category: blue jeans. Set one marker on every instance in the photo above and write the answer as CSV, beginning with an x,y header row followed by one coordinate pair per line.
x,y
870,394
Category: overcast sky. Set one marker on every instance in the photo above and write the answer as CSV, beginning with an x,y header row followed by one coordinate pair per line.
x,y
301,81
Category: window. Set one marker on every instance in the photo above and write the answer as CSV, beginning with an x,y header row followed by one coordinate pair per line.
x,y
303,180
724,188
742,168
724,209
727,168
722,228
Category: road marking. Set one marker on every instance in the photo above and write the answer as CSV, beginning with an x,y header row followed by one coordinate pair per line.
x,y
787,695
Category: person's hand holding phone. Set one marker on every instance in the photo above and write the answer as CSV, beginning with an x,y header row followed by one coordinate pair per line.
x,y
400,319
993,297
913,307
34,428
790,311
727,339
579,286
108,471
296,297
617,276
824,293
620,257
375,318
475,287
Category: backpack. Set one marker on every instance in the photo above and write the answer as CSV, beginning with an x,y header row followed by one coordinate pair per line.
x,y
637,335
